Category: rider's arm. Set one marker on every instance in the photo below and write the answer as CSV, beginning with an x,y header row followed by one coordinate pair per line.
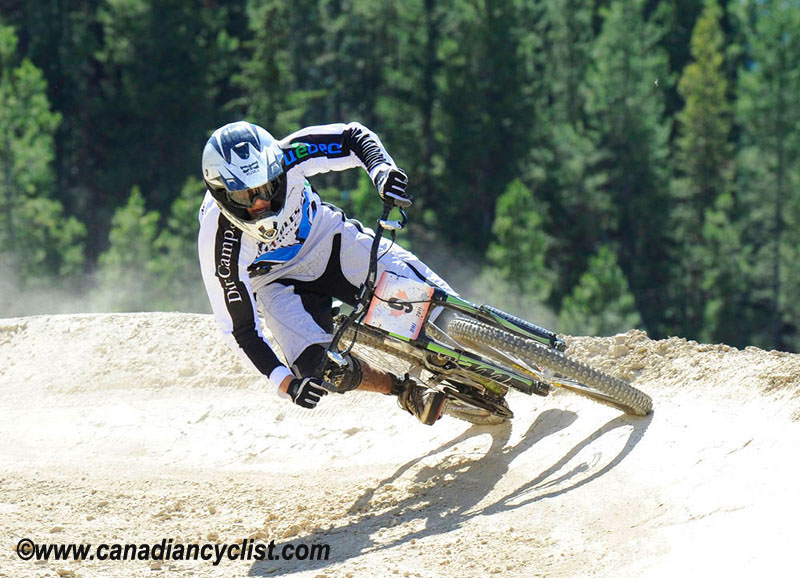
x,y
336,147
228,286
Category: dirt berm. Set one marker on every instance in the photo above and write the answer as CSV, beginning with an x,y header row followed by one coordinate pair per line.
x,y
145,429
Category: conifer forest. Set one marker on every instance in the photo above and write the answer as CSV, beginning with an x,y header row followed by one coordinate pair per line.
x,y
592,165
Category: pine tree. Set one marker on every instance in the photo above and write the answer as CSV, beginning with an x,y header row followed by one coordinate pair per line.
x,y
704,165
600,303
727,261
768,108
518,250
569,35
37,239
125,270
275,93
164,64
409,94
486,114
557,166
625,108
60,38
178,284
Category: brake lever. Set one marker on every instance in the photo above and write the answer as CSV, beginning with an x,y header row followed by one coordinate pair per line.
x,y
394,225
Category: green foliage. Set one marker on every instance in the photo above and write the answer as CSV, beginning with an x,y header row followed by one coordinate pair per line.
x,y
125,270
519,246
569,37
768,110
151,266
704,152
407,104
62,38
558,166
625,104
165,64
178,282
267,79
486,115
601,303
704,146
728,316
361,202
39,242
693,183
679,18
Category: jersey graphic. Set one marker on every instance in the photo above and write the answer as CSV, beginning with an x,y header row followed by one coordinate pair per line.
x,y
305,215
300,152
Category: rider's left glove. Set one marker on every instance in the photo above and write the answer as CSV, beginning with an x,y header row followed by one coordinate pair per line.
x,y
306,391
391,184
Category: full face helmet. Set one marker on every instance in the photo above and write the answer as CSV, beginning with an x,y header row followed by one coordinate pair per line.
x,y
242,162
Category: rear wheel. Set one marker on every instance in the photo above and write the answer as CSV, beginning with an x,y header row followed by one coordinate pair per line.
x,y
463,402
580,378
467,404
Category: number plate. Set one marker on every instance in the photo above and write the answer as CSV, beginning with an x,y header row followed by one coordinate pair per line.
x,y
399,305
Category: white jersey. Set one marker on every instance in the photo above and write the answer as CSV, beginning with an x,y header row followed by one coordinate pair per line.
x,y
236,267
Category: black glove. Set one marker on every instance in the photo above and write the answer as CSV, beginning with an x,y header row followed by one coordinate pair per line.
x,y
391,184
306,391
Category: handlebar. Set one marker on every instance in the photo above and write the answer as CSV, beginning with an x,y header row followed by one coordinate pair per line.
x,y
393,225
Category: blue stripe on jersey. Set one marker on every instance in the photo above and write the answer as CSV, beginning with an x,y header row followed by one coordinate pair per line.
x,y
284,254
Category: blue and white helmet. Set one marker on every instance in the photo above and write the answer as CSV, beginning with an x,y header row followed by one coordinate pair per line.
x,y
242,162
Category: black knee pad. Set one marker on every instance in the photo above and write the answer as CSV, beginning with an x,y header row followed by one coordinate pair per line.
x,y
310,362
314,362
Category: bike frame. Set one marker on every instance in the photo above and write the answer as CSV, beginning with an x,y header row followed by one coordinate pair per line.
x,y
448,358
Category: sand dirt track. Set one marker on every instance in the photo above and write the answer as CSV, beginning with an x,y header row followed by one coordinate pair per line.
x,y
142,427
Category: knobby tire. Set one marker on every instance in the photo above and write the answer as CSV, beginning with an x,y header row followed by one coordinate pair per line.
x,y
607,389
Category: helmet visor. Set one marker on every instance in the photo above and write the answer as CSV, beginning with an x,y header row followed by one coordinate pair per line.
x,y
245,198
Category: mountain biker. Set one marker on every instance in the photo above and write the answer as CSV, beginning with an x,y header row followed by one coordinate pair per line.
x,y
268,243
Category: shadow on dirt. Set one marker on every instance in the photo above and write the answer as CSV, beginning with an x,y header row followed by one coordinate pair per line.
x,y
440,495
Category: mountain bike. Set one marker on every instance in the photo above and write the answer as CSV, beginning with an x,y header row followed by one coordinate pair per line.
x,y
474,354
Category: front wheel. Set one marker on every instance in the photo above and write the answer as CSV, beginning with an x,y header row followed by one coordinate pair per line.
x,y
579,377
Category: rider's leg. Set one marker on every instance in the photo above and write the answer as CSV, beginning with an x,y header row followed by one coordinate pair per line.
x,y
300,320
421,402
298,314
376,379
357,374
354,257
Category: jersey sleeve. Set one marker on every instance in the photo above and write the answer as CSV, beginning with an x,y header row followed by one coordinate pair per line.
x,y
228,286
335,147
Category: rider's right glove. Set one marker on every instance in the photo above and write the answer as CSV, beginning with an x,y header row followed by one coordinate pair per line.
x,y
391,184
306,391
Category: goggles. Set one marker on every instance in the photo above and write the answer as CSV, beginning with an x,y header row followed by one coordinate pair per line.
x,y
247,197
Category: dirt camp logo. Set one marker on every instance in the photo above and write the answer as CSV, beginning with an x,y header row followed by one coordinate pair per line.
x,y
300,152
228,254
